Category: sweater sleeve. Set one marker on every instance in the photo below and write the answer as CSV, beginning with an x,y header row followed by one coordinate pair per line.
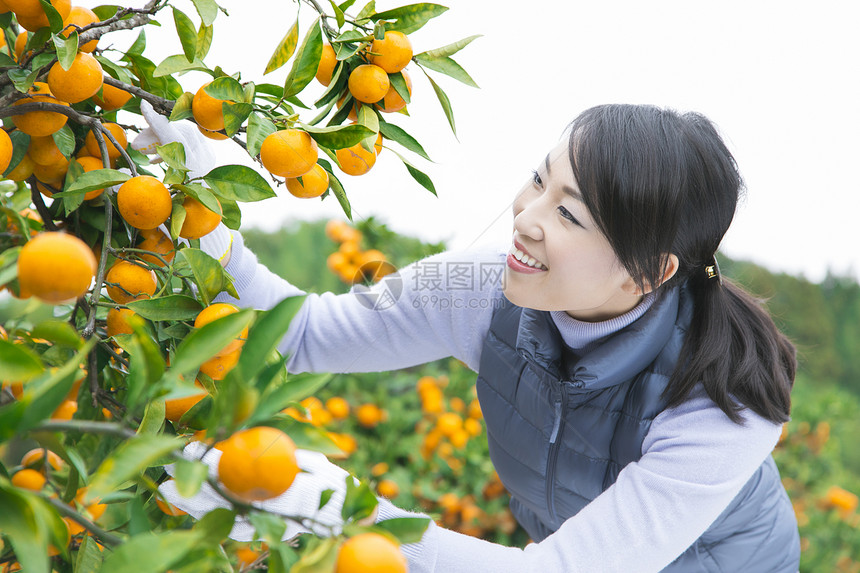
x,y
438,307
695,461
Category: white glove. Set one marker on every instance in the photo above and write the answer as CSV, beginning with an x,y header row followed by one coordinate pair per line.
x,y
198,156
302,499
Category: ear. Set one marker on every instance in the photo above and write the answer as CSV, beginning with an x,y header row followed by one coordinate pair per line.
x,y
670,267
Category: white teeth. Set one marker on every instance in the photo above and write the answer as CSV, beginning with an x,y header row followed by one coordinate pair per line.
x,y
525,259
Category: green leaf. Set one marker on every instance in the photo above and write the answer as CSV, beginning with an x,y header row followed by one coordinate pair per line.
x,y
64,138
189,476
179,63
89,559
448,50
231,215
172,307
411,17
20,144
209,275
325,496
173,155
235,115
30,525
267,333
153,415
359,501
344,6
187,33
366,12
320,556
202,194
338,14
55,21
59,332
396,133
259,127
139,44
448,67
276,397
238,183
446,103
204,41
405,529
306,62
226,88
127,461
97,179
337,188
22,79
67,49
207,9
418,175
285,49
203,343
182,107
398,82
18,363
368,118
151,552
215,526
338,136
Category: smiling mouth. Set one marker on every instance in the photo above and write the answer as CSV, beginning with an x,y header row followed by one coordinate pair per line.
x,y
526,259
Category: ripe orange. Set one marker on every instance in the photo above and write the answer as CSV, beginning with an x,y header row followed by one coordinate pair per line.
x,y
199,220
216,311
32,16
112,98
355,160
368,83
207,110
35,459
80,17
328,61
392,102
118,133
117,321
144,202
219,366
258,463
95,509
175,408
44,151
337,407
168,508
82,80
91,164
216,135
53,174
20,44
346,443
367,552
39,122
369,415
392,52
23,170
388,488
55,267
312,184
289,153
29,479
156,241
354,105
65,411
448,423
130,282
5,150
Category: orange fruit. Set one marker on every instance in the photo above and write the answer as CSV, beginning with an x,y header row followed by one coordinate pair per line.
x,y
336,261
392,52
78,18
36,123
218,366
91,164
111,97
23,170
216,135
368,83
118,133
392,102
55,267
5,150
44,151
328,61
35,459
130,282
337,407
95,508
117,321
473,427
289,153
156,241
199,220
4,8
353,113
168,508
257,463
65,411
144,202
29,479
388,488
53,174
369,415
20,44
216,311
448,423
368,552
81,81
207,110
32,16
312,184
175,408
334,229
355,160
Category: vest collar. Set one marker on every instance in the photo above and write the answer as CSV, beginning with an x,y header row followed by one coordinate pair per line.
x,y
617,359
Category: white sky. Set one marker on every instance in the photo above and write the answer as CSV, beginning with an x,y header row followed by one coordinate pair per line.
x,y
780,79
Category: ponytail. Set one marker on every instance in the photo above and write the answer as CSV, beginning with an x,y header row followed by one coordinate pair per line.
x,y
736,351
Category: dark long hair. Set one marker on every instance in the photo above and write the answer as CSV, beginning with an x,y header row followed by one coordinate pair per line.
x,y
657,182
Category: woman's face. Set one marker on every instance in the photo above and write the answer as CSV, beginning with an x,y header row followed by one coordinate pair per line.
x,y
576,270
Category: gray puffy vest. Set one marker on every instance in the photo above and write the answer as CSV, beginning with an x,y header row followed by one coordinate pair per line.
x,y
560,428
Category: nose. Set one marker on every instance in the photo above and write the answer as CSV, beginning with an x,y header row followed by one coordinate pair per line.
x,y
527,217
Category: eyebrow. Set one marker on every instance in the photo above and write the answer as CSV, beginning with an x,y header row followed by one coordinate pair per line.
x,y
570,191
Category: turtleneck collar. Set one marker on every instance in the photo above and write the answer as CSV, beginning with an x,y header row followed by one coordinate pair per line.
x,y
579,335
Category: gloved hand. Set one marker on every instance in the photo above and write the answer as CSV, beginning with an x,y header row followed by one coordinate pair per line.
x,y
301,499
198,156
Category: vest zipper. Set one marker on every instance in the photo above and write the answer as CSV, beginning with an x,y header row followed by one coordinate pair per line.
x,y
557,429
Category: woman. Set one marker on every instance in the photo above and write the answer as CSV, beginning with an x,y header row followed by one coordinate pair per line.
x,y
632,395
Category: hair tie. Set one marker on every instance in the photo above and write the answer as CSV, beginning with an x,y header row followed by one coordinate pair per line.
x,y
712,271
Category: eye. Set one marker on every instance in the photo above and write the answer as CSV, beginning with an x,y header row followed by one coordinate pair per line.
x,y
536,178
567,215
